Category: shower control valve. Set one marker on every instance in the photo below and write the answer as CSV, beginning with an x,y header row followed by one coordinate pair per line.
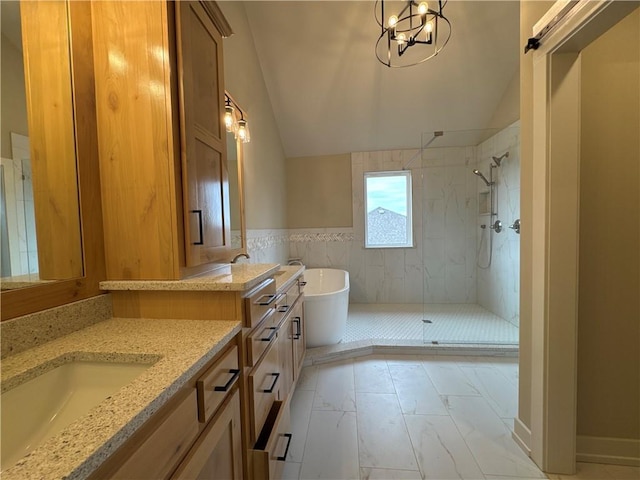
x,y
515,226
497,226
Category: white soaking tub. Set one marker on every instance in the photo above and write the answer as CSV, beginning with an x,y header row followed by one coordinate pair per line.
x,y
326,305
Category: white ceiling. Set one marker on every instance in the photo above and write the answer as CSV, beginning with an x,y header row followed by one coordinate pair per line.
x,y
330,95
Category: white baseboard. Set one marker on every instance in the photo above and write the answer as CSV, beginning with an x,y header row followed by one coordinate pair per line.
x,y
618,451
522,436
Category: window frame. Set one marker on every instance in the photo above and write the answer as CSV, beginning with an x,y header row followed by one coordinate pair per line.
x,y
409,201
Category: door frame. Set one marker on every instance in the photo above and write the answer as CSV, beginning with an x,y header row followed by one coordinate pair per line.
x,y
555,225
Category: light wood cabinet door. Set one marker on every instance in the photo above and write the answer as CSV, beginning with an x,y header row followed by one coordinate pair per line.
x,y
202,135
217,455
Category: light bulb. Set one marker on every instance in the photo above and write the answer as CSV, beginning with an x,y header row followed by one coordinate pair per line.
x,y
423,8
228,118
243,132
401,38
428,27
393,20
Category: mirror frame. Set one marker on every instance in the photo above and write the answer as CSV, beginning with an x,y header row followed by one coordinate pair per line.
x,y
32,299
240,154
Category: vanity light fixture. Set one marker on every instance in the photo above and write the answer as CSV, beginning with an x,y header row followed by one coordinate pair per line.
x,y
411,32
232,123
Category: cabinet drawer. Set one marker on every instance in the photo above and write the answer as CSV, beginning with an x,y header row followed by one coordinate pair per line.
x,y
214,384
264,387
262,337
259,302
271,449
159,453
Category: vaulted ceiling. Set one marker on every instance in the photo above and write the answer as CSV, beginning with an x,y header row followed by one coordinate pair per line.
x,y
330,94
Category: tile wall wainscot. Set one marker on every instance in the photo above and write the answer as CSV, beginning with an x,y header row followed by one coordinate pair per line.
x,y
268,245
29,331
499,285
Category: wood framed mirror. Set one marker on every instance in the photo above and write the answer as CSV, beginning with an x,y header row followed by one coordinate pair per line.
x,y
73,275
235,162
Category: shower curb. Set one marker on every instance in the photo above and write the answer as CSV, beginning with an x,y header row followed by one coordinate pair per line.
x,y
343,351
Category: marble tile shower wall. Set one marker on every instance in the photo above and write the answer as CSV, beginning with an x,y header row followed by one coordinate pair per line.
x,y
499,284
441,267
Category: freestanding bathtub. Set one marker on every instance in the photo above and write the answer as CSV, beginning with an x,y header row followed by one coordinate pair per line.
x,y
326,305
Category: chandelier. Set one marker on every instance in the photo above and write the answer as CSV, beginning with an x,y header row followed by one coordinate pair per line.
x,y
233,124
411,32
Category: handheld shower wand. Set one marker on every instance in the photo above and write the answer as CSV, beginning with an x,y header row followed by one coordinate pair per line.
x,y
479,173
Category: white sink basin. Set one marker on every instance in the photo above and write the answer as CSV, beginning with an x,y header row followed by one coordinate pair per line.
x,y
38,409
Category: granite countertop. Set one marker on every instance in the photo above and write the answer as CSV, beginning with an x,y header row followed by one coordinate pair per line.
x,y
287,275
236,277
179,348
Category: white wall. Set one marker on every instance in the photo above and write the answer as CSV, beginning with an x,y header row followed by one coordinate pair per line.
x,y
498,285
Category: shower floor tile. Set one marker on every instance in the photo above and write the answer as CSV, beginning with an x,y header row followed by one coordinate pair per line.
x,y
450,323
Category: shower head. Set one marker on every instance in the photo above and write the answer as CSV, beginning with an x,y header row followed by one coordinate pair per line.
x,y
498,160
479,173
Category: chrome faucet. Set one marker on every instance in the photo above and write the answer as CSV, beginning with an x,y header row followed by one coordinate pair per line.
x,y
245,255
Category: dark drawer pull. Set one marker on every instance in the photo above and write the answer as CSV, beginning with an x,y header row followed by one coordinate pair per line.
x,y
199,213
274,330
265,300
275,376
283,309
286,450
302,284
298,334
235,372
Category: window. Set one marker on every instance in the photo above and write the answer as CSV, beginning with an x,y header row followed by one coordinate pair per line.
x,y
387,202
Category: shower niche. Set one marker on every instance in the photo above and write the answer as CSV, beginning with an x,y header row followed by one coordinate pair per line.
x,y
484,203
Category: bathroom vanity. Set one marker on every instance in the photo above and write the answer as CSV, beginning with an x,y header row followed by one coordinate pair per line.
x,y
214,400
267,300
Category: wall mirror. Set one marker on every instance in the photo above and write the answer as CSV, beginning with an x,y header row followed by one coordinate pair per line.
x,y
39,205
60,119
235,154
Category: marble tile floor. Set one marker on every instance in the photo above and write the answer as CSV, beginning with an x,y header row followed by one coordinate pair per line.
x,y
414,417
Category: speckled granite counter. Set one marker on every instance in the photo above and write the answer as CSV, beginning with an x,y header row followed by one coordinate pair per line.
x,y
286,275
238,277
179,347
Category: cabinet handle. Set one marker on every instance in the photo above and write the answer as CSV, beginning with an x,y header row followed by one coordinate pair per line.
x,y
271,335
273,385
199,213
286,450
235,372
302,283
283,309
265,300
298,333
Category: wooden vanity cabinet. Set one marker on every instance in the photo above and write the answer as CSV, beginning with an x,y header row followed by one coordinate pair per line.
x,y
270,434
197,434
161,137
